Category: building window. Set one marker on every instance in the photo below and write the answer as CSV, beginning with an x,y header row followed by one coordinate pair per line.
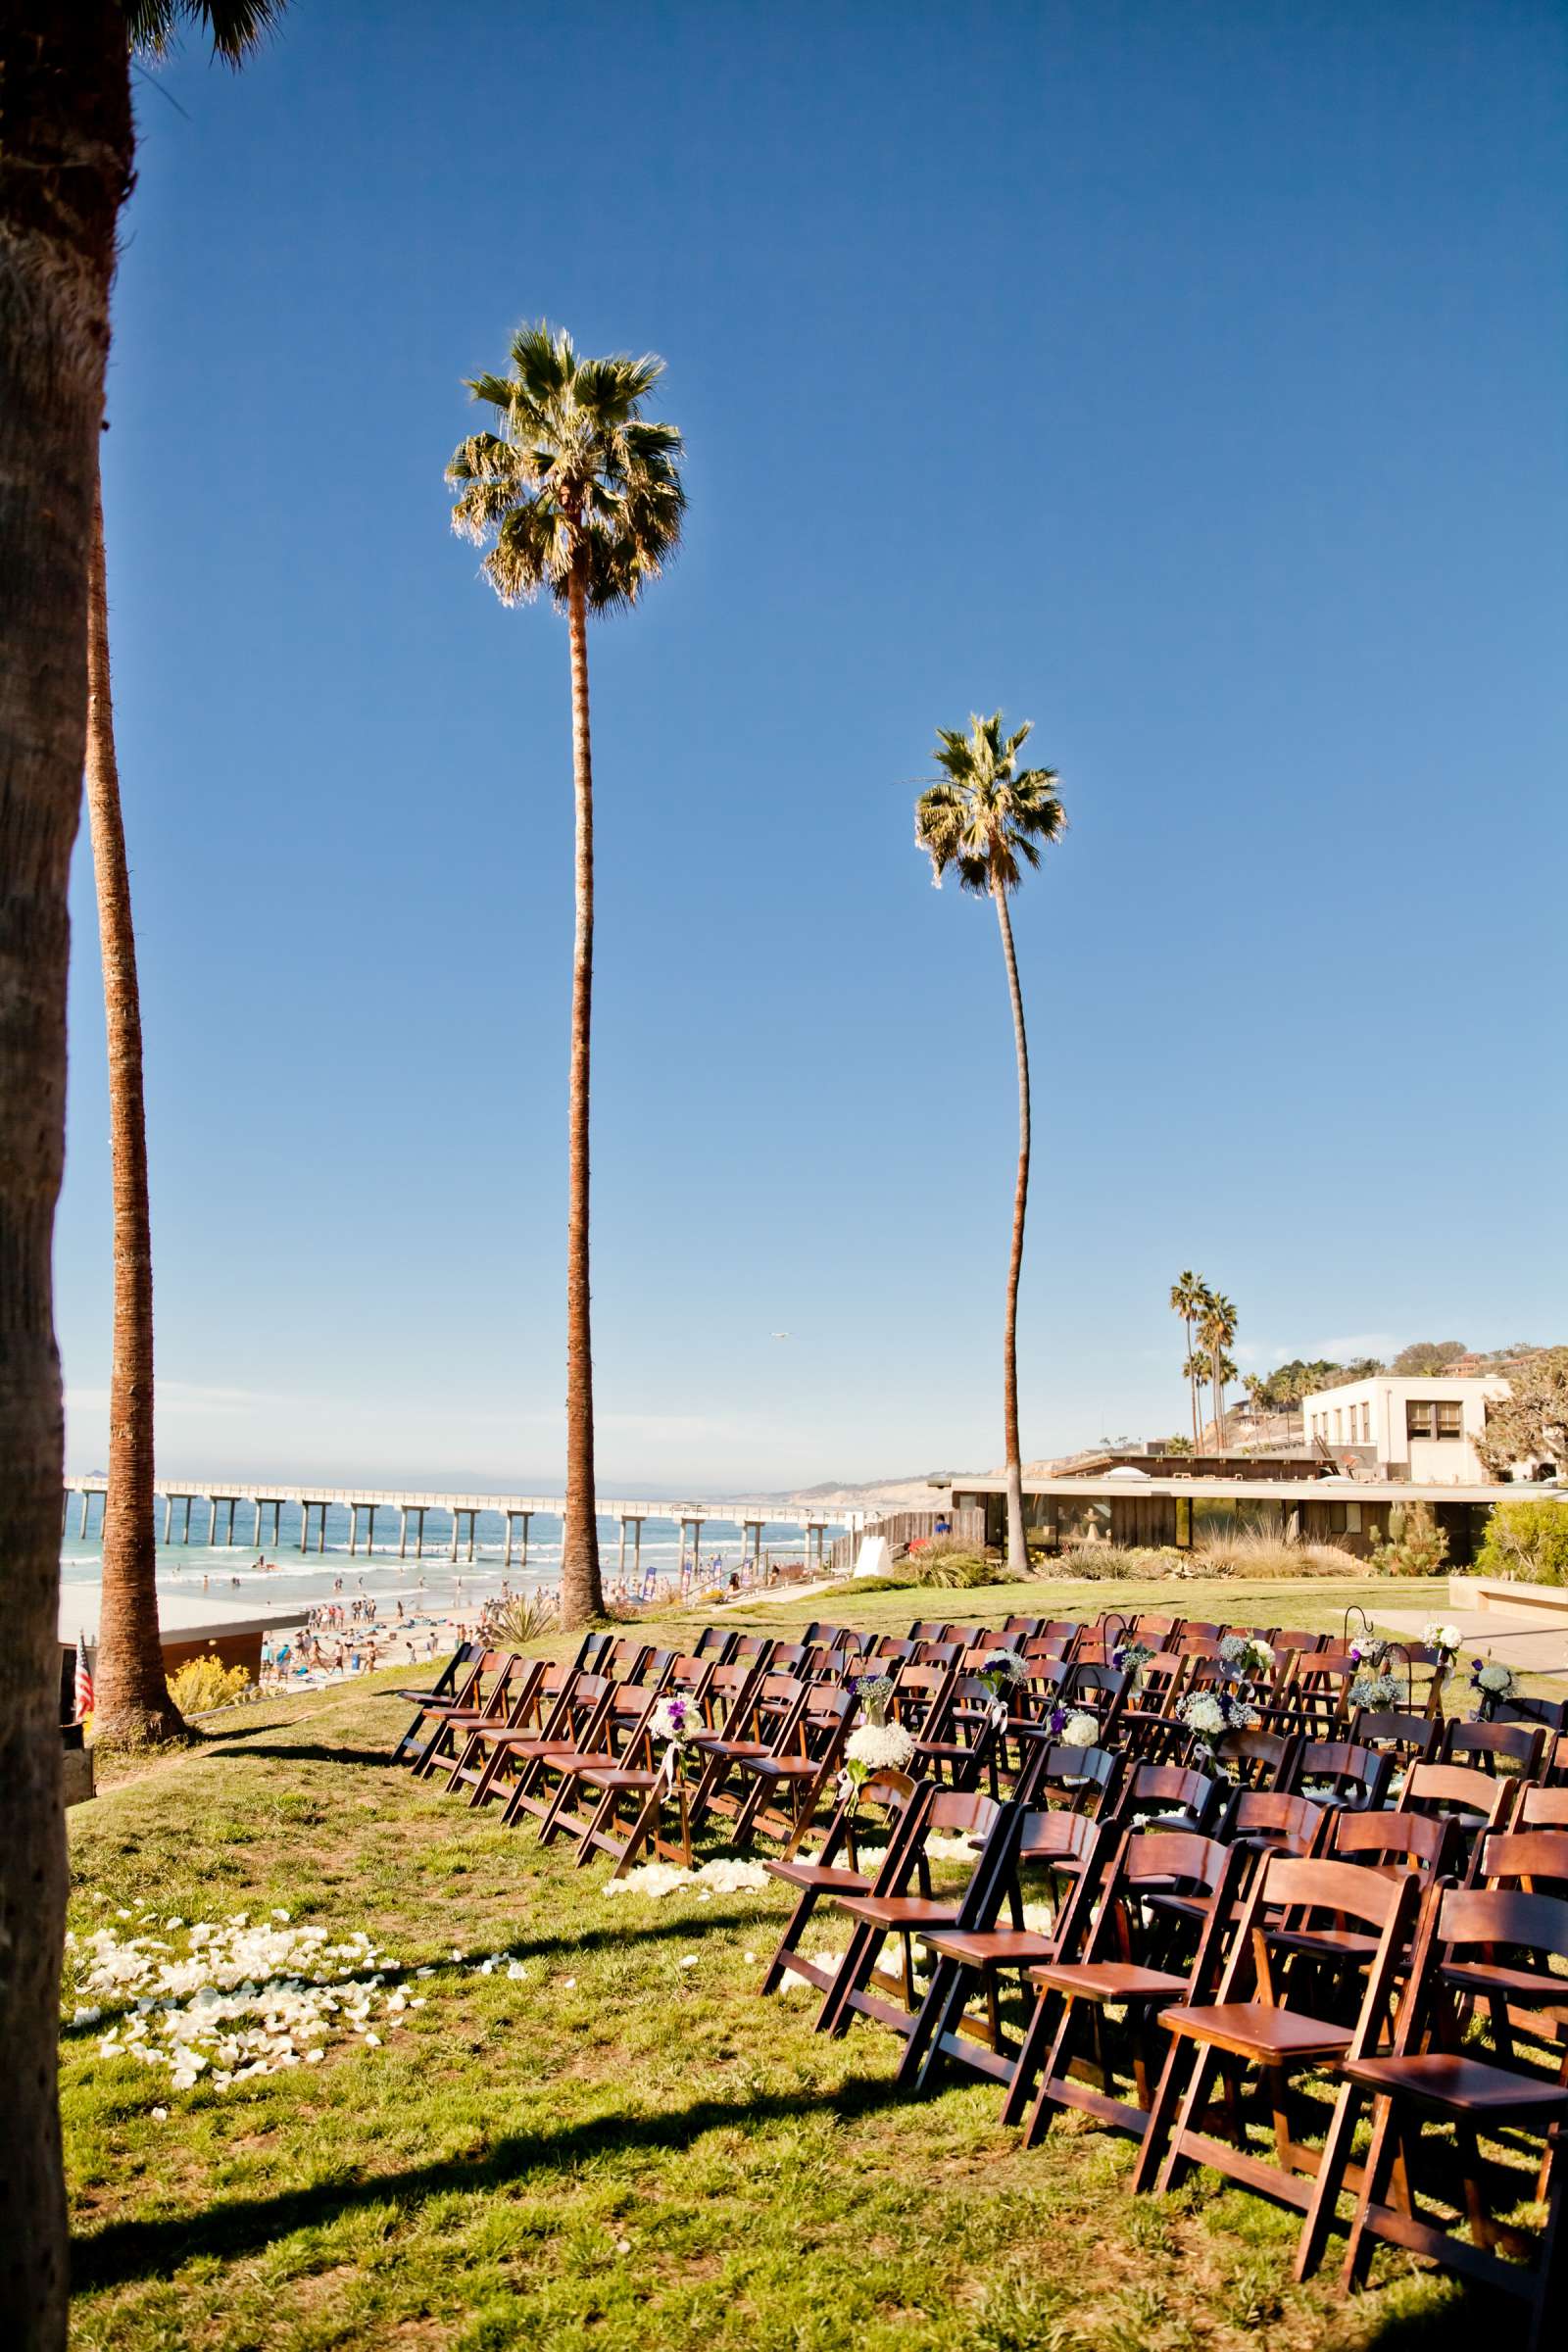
x,y
1434,1420
1366,1423
1339,1424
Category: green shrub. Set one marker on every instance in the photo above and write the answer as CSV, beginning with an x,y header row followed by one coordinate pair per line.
x,y
204,1683
1416,1545
949,1564
523,1617
1527,1538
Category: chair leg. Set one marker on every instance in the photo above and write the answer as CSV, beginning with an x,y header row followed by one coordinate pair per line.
x,y
1056,2064
1374,2180
1160,2117
1031,2052
1323,2210
932,2021
1552,2269
1176,2165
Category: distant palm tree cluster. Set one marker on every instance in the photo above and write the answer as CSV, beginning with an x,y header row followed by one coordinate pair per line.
x,y
1210,1320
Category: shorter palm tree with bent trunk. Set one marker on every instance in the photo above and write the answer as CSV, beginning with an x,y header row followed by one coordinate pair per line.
x,y
987,819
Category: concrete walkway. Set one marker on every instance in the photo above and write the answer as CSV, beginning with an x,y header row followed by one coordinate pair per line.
x,y
1532,1640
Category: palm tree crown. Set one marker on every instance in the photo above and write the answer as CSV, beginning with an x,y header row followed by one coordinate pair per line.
x,y
987,816
576,475
237,27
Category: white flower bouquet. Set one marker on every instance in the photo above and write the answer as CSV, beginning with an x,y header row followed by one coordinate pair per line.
x,y
1246,1655
675,1722
1491,1682
1375,1691
870,1748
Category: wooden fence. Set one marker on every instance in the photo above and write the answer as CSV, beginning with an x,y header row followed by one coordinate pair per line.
x,y
900,1528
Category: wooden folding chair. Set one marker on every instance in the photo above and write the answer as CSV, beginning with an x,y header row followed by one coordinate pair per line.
x,y
1337,1772
1256,1759
786,1785
1268,1820
1405,1737
1059,1853
1428,2081
1256,2024
1475,1801
859,1986
764,1724
1124,1954
514,1768
887,1803
1170,1797
530,1716
1541,1807
960,1738
1489,1745
450,1687
487,1700
614,1766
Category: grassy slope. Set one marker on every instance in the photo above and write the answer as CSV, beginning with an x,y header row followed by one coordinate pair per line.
x,y
471,2182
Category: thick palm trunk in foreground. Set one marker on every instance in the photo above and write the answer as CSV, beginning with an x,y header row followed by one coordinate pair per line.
x,y
65,163
581,1594
132,1700
1017,1542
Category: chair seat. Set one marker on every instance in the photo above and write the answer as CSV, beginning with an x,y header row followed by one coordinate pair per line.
x,y
1111,1980
1253,2031
995,1947
786,1767
1479,1977
825,1875
900,1910
1458,2085
619,1775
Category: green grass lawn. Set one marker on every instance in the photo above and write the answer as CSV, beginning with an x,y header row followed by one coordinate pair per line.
x,y
613,2149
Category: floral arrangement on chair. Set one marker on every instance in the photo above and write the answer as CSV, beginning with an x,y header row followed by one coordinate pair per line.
x,y
674,1721
1245,1656
1130,1657
1002,1673
1209,1714
870,1748
875,1693
1375,1691
1445,1639
1072,1727
1491,1682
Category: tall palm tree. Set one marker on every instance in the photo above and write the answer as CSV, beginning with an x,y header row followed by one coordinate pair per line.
x,y
579,493
130,1695
1200,1370
1217,1329
1186,1296
67,160
987,819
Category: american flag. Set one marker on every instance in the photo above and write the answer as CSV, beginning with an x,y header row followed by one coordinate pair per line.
x,y
83,1678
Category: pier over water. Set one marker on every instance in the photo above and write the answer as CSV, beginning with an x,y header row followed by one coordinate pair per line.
x,y
223,1500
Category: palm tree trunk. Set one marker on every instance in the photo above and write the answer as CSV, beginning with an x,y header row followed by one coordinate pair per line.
x,y
1191,1385
130,1696
581,1593
1017,1541
65,147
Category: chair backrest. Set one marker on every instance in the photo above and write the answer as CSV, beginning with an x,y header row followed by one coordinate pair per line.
x,y
1389,1841
1402,1735
1530,1928
1480,1800
716,1643
889,1645
1541,1808
1295,1824
1291,1636
1155,1631
927,1629
1119,1923
625,1660
1357,1776
1077,1780
1258,1759
1534,1859
1172,1788
1021,1629
1487,1745
1321,1897
938,1654
1047,1646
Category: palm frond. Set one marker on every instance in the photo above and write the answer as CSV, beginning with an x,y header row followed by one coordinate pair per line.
x,y
236,26
986,819
574,472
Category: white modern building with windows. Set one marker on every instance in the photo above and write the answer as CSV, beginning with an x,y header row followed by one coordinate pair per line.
x,y
1423,1431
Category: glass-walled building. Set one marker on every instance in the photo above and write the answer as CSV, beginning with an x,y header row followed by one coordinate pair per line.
x,y
1133,1509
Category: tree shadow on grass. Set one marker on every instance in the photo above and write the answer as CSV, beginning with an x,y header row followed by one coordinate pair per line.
x,y
227,2232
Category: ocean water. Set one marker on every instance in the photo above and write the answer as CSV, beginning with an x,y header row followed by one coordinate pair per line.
x,y
231,1576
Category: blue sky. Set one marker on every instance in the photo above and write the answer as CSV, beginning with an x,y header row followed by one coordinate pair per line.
x,y
1190,380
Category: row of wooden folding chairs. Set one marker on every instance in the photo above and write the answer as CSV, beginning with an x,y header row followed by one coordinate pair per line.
x,y
1303,1944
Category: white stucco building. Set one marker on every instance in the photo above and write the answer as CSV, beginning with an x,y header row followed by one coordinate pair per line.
x,y
1419,1430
